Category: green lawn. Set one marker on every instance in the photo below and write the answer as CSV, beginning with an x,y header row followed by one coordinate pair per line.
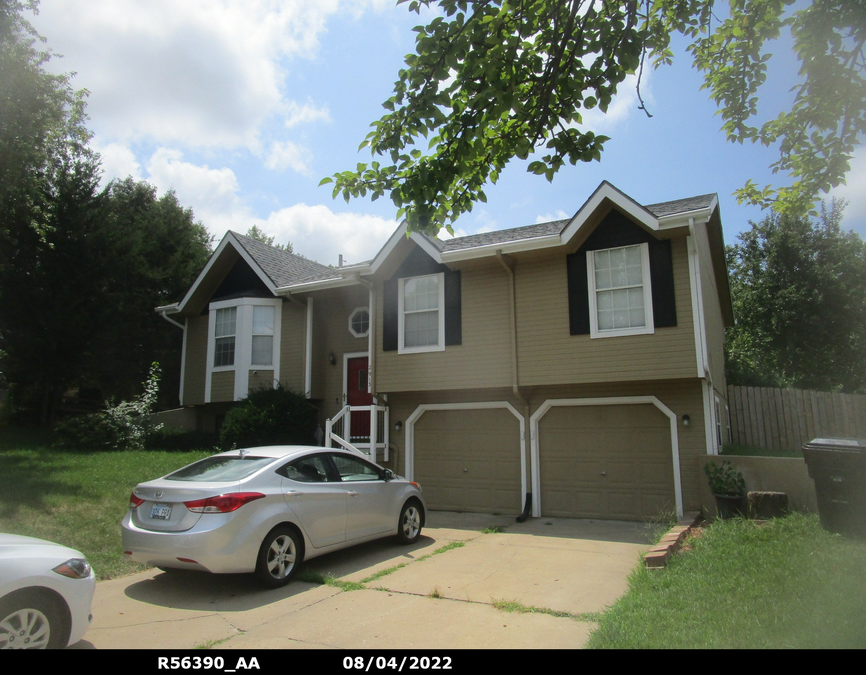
x,y
75,498
783,584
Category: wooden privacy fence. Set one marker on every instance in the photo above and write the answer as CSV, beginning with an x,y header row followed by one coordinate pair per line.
x,y
780,419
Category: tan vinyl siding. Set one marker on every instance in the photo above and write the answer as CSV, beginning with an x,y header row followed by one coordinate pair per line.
x,y
293,327
260,379
222,386
484,357
548,354
195,364
714,323
331,335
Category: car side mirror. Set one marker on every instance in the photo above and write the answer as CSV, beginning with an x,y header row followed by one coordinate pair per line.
x,y
389,475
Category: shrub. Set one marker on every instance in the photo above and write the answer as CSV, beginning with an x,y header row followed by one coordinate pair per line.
x,y
119,427
270,417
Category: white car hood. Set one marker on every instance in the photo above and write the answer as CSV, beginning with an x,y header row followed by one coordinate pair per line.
x,y
14,546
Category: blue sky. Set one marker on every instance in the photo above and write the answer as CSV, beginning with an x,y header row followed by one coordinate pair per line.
x,y
243,107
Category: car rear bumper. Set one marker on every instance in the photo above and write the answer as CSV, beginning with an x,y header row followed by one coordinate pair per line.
x,y
218,543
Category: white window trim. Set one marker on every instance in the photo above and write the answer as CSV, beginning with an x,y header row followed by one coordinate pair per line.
x,y
243,343
401,349
352,318
649,328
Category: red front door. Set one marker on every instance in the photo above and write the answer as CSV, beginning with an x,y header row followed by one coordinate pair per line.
x,y
356,394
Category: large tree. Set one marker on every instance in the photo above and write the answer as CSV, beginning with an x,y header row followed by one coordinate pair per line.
x,y
799,293
492,80
77,300
41,118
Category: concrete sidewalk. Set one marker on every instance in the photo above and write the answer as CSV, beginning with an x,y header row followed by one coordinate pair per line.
x,y
432,600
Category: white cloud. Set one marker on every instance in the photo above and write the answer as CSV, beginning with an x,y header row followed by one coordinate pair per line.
x,y
853,192
197,73
288,155
559,214
118,161
624,105
321,234
298,114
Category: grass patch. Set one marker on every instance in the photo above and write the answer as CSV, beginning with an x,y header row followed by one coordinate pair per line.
x,y
313,577
493,529
75,498
749,451
210,644
783,584
435,593
383,573
443,549
519,608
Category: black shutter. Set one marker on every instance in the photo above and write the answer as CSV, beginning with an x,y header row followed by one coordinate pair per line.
x,y
578,294
390,328
662,279
453,309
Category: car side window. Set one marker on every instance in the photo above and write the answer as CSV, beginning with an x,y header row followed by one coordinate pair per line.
x,y
311,469
353,469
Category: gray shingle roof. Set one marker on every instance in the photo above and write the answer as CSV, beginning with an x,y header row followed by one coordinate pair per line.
x,y
680,205
284,268
556,226
502,236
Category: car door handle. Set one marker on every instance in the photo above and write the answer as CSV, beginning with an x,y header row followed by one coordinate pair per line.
x,y
293,493
353,494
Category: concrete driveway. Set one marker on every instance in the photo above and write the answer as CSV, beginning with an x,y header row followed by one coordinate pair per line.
x,y
416,597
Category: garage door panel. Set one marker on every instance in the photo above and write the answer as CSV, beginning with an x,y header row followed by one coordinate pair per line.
x,y
605,461
469,460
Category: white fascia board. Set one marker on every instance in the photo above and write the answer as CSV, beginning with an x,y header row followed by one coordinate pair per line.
x,y
389,246
167,309
316,285
427,246
516,246
228,240
620,199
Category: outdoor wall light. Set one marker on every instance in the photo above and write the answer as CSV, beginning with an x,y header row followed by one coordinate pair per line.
x,y
686,420
332,359
398,426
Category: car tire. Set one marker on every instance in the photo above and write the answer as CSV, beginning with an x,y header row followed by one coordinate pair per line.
x,y
32,621
279,557
410,523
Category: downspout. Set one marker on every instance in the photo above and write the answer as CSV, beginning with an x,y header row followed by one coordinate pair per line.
x,y
515,387
182,326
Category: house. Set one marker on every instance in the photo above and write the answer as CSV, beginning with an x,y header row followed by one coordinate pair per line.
x,y
578,361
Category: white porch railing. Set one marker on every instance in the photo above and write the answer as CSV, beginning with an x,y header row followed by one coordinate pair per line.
x,y
337,430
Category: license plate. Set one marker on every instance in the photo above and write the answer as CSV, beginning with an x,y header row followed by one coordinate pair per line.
x,y
161,511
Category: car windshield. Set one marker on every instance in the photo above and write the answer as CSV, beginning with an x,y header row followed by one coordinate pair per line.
x,y
220,469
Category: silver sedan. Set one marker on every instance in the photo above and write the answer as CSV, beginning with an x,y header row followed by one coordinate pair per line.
x,y
265,510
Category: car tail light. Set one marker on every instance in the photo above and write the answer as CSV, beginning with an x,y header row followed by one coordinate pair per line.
x,y
135,502
223,503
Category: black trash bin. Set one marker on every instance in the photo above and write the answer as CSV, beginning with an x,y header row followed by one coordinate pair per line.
x,y
838,467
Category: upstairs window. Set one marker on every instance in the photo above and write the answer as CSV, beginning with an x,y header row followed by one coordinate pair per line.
x,y
263,336
224,337
620,296
421,314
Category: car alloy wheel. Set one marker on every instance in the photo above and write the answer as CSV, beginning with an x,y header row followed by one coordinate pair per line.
x,y
279,557
28,625
409,527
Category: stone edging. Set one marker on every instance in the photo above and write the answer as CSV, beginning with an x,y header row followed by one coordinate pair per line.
x,y
659,554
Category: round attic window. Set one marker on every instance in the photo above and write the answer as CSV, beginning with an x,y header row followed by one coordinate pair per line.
x,y
359,322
